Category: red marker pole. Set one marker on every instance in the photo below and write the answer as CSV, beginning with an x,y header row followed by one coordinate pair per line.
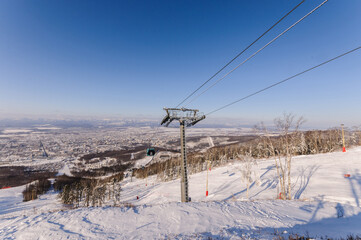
x,y
146,179
208,168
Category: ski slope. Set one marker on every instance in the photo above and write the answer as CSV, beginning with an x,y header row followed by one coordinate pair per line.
x,y
325,204
313,177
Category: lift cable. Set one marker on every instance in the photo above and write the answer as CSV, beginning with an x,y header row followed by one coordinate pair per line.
x,y
285,80
254,54
240,53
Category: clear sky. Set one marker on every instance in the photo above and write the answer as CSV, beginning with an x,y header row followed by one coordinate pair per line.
x,y
132,58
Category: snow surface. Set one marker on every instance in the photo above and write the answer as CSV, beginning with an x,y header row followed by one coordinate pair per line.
x,y
12,205
35,162
48,128
64,171
211,144
144,161
326,204
16,131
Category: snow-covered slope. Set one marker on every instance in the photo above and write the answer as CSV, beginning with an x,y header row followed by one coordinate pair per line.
x,y
326,203
259,219
12,205
314,177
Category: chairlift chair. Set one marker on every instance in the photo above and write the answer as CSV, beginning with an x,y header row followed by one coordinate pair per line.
x,y
150,151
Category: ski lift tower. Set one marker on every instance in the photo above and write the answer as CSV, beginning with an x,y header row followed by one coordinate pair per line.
x,y
186,118
45,154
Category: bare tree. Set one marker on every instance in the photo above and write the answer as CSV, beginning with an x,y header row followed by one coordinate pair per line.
x,y
290,139
269,146
249,171
116,193
283,147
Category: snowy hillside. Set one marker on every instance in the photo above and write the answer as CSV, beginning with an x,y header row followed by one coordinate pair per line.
x,y
325,204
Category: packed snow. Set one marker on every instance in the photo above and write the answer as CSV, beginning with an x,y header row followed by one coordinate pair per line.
x,y
326,203
12,205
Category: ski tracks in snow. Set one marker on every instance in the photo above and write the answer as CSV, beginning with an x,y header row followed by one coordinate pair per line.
x,y
174,220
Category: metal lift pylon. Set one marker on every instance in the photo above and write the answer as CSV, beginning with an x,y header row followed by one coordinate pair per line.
x,y
187,118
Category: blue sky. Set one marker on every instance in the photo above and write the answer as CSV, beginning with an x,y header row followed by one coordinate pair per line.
x,y
132,58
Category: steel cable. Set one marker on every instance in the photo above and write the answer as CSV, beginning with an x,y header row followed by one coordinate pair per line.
x,y
259,50
285,80
269,29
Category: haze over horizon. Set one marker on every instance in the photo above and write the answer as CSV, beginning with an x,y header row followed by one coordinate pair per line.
x,y
129,59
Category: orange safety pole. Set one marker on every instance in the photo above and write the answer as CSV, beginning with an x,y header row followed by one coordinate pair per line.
x,y
343,139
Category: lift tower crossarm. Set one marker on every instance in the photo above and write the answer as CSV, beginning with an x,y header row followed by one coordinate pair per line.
x,y
187,118
188,115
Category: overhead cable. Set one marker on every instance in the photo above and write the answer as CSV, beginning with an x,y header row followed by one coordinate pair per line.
x,y
285,80
254,54
269,29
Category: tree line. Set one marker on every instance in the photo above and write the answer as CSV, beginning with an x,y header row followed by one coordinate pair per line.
x,y
33,190
86,192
